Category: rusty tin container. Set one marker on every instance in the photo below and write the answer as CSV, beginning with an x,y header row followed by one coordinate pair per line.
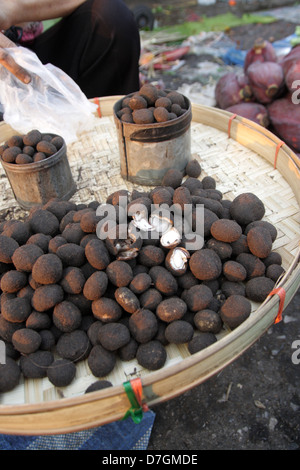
x,y
148,151
37,183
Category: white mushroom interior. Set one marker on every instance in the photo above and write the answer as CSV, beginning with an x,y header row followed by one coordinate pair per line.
x,y
160,223
179,258
170,238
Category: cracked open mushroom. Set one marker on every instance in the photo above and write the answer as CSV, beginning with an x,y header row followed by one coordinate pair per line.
x,y
123,243
170,238
141,222
176,260
161,220
139,210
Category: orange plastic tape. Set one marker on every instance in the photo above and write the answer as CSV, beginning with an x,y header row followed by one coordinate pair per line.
x,y
136,385
281,293
279,145
96,100
229,123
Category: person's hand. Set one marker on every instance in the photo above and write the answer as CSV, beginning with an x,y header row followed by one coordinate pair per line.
x,y
9,63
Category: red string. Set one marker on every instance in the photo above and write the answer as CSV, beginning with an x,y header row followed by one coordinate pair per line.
x,y
279,145
136,385
229,123
96,100
280,291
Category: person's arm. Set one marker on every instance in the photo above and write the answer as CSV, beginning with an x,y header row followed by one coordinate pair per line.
x,y
14,12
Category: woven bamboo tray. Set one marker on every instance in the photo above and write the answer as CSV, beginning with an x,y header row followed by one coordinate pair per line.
x,y
241,156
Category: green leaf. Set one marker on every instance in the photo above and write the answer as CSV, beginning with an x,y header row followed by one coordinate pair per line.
x,y
216,23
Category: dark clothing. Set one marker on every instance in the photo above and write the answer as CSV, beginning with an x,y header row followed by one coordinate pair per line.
x,y
98,46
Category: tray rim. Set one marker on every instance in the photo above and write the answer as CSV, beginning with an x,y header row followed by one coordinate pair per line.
x,y
82,412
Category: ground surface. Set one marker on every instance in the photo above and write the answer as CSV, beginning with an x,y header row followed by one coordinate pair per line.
x,y
254,403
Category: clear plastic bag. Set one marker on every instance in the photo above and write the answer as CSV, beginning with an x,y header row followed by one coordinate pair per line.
x,y
52,102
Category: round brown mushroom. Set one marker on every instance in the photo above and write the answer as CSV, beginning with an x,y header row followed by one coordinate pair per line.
x,y
143,116
150,255
12,281
208,321
61,372
26,341
171,309
259,241
119,273
7,248
127,299
97,254
163,280
46,297
253,265
74,346
113,336
137,102
247,208
44,221
150,299
201,341
235,310
258,288
66,316
226,230
16,309
47,269
95,286
10,375
151,355
143,325
72,280
176,261
234,271
274,271
71,254
101,361
179,331
150,93
198,297
173,178
140,283
193,168
205,264
34,365
106,309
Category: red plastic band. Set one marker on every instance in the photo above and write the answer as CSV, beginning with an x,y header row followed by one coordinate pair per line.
x,y
136,385
280,291
279,145
96,100
229,123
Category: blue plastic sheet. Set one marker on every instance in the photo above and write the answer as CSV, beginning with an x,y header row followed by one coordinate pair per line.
x,y
235,56
119,435
283,46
